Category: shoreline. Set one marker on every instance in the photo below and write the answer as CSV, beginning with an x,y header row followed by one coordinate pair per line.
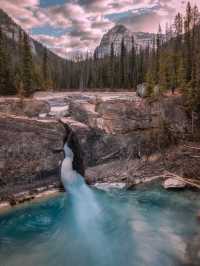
x,y
42,193
6,205
26,197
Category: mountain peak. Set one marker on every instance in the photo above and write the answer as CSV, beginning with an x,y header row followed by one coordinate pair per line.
x,y
119,28
4,17
115,36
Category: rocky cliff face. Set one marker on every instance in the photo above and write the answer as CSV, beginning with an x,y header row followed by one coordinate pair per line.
x,y
117,34
30,153
100,128
127,127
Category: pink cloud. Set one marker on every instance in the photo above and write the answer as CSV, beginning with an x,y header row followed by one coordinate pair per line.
x,y
86,21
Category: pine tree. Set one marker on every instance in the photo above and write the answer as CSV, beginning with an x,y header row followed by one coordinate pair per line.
x,y
27,67
2,65
195,44
46,80
179,79
6,72
188,39
122,64
133,65
45,69
111,65
158,49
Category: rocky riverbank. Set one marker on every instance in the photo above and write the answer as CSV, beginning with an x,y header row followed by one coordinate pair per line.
x,y
115,137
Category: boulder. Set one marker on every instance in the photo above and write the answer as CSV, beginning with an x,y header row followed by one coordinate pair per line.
x,y
142,90
173,183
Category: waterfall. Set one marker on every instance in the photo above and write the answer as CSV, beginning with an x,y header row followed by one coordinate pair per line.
x,y
81,196
87,212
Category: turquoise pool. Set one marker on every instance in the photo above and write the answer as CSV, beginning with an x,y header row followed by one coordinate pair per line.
x,y
144,227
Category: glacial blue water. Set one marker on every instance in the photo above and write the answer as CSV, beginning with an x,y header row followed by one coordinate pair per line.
x,y
144,227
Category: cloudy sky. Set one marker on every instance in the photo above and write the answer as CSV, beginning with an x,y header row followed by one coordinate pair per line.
x,y
67,26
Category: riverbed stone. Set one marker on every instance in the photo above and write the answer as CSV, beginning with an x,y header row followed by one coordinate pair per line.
x,y
142,90
173,183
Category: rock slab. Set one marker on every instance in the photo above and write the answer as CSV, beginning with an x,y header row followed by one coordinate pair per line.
x,y
173,183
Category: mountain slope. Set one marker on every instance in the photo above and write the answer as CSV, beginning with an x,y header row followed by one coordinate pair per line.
x,y
12,33
119,33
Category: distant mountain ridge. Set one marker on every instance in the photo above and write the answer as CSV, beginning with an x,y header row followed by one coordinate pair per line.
x,y
11,31
114,35
118,33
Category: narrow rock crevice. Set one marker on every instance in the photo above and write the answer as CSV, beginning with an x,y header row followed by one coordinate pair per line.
x,y
74,145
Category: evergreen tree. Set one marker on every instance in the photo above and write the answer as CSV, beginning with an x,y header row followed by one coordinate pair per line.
x,y
2,65
27,67
6,72
195,44
45,80
45,69
111,66
122,64
158,48
187,41
133,65
179,79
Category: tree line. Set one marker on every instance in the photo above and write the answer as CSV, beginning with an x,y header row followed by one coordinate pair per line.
x,y
27,66
19,74
175,63
172,61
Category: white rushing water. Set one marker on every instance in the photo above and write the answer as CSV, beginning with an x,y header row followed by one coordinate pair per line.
x,y
85,205
87,212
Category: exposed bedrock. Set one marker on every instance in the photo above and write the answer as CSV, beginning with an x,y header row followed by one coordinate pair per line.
x,y
30,153
25,107
100,128
124,127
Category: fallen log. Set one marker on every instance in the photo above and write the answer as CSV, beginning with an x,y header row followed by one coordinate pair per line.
x,y
192,147
109,156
